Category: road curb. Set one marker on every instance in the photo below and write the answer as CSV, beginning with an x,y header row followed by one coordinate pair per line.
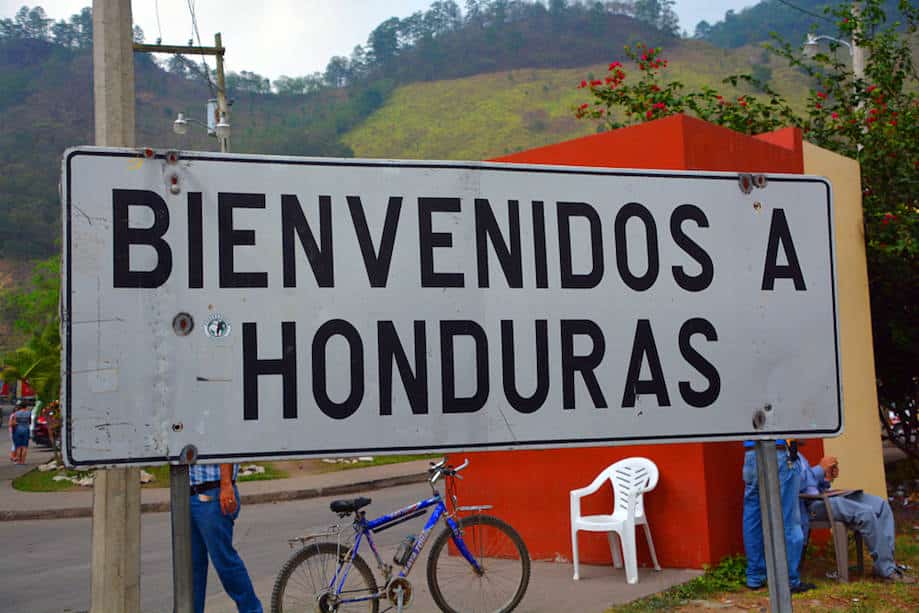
x,y
262,498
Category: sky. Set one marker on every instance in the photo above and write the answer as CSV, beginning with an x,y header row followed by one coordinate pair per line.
x,y
295,37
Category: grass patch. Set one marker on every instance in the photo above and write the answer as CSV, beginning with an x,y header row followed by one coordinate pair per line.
x,y
728,576
724,586
161,474
36,481
380,461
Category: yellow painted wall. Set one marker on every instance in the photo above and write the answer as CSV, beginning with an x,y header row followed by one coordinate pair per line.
x,y
861,461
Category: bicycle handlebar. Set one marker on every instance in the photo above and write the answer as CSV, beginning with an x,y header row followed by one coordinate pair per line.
x,y
442,468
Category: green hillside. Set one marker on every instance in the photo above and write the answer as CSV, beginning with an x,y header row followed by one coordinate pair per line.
x,y
495,114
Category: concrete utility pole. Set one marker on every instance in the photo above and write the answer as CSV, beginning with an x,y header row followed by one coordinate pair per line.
x,y
223,109
116,492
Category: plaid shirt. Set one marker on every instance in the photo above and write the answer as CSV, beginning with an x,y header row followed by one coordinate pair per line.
x,y
202,473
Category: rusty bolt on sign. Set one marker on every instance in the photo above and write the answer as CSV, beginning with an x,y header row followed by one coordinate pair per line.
x,y
759,416
189,454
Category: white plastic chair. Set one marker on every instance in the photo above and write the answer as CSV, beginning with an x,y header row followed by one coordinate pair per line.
x,y
631,478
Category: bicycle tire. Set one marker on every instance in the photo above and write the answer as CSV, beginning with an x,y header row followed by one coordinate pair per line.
x,y
494,544
324,554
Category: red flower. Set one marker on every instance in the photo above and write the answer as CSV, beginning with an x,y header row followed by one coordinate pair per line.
x,y
893,122
818,105
888,217
871,88
835,115
644,56
821,95
649,114
660,105
596,82
615,65
583,84
584,106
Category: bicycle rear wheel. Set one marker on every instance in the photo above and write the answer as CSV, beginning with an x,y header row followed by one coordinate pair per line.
x,y
499,550
303,582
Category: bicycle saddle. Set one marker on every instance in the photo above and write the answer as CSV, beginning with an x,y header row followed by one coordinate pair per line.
x,y
349,506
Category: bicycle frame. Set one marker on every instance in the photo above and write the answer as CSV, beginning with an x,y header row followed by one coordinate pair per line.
x,y
363,529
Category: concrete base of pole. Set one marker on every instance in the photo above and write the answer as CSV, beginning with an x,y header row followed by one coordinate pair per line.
x,y
116,541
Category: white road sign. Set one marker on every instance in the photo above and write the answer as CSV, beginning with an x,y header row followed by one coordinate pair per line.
x,y
268,307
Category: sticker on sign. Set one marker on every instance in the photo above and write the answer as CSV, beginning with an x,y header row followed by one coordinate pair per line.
x,y
269,307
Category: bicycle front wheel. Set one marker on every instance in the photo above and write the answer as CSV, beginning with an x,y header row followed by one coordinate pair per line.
x,y
456,586
305,582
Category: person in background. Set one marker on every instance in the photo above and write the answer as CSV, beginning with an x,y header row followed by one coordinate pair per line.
x,y
20,422
36,411
12,442
789,480
214,509
870,515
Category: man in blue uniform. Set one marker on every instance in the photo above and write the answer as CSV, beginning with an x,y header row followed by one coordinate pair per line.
x,y
214,508
789,480
870,515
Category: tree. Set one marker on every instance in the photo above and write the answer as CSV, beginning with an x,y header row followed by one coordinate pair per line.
x,y
64,34
35,312
658,13
35,22
384,43
337,72
33,309
703,29
82,24
38,362
873,118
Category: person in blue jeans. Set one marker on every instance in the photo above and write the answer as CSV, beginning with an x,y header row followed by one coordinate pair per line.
x,y
20,430
870,515
789,485
214,509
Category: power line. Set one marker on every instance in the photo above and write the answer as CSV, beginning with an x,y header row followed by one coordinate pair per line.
x,y
805,11
194,24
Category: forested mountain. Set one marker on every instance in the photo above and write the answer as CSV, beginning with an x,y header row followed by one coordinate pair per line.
x,y
46,95
789,20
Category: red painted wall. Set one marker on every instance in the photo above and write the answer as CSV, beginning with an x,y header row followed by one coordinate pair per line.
x,y
695,511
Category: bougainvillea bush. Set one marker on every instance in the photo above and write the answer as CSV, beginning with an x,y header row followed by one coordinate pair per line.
x,y
872,117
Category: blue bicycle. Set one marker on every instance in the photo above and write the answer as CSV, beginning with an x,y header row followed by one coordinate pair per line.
x,y
477,563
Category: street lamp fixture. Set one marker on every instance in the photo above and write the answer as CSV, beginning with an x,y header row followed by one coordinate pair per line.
x,y
180,125
810,45
809,49
221,129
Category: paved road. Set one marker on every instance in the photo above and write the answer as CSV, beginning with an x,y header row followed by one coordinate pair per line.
x,y
52,571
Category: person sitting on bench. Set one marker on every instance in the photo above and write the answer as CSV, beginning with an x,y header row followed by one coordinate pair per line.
x,y
869,515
